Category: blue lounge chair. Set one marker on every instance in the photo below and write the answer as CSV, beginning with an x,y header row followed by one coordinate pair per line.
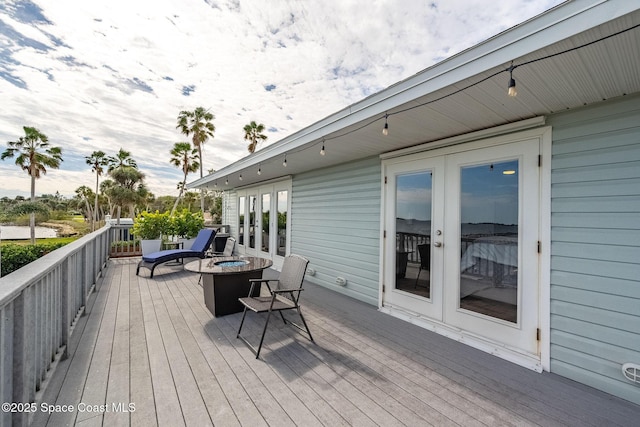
x,y
198,250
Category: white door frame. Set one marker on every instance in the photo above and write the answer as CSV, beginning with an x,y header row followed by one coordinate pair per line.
x,y
541,362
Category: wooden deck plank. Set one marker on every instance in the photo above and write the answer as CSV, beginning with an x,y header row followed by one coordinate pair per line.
x,y
164,390
66,385
181,366
141,391
256,390
118,393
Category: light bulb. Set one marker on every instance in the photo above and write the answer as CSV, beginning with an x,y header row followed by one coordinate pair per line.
x,y
226,181
285,162
259,171
240,178
322,153
512,88
385,129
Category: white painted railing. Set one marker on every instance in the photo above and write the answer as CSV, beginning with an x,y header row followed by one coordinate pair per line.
x,y
39,305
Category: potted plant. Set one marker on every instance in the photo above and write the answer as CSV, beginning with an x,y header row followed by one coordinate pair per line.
x,y
185,225
150,228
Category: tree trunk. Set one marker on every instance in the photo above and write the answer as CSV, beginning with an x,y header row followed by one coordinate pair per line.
x,y
95,207
32,216
201,175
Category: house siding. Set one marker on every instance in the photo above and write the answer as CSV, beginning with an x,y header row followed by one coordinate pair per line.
x,y
335,222
595,245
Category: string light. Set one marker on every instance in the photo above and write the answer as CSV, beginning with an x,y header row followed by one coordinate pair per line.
x,y
240,178
512,91
226,181
259,170
512,83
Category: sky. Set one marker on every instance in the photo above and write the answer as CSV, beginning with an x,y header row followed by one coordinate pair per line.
x,y
104,75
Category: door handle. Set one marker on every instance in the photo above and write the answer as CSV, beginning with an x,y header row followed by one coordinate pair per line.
x,y
438,244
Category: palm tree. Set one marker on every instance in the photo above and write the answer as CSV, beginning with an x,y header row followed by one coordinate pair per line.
x,y
121,159
253,134
129,185
198,124
183,156
34,155
97,160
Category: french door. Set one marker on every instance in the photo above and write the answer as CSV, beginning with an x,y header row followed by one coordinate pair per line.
x,y
264,221
461,247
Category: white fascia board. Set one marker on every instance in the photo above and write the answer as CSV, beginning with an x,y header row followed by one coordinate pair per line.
x,y
561,22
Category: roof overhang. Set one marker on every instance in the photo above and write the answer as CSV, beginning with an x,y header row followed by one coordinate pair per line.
x,y
468,92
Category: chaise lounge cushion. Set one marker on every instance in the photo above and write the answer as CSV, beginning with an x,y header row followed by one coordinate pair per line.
x,y
198,249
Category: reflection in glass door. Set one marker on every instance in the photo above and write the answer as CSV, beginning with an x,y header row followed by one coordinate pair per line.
x,y
283,203
413,233
241,216
489,239
252,222
265,225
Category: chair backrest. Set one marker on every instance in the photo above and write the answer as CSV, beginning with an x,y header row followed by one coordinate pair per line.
x,y
425,256
228,246
203,240
294,268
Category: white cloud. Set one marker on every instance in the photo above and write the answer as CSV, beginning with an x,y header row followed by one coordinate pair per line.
x,y
105,75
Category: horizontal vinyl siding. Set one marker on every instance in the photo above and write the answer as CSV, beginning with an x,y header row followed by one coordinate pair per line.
x,y
595,245
335,222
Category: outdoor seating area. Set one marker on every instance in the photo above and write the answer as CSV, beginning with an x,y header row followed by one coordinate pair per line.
x,y
151,351
198,250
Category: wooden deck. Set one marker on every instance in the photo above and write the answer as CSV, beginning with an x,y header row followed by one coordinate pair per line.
x,y
153,344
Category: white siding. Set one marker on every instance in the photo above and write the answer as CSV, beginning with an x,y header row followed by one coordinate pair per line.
x,y
595,252
335,222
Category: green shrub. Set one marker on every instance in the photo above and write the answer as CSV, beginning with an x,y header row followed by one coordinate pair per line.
x,y
17,256
186,224
150,225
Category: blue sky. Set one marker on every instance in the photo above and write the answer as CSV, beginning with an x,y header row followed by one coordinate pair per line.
x,y
100,75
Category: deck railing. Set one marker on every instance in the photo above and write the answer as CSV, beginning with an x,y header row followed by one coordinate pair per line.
x,y
39,306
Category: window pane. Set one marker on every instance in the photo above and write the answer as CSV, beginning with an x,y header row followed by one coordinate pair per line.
x,y
252,221
282,222
489,239
413,231
266,206
241,210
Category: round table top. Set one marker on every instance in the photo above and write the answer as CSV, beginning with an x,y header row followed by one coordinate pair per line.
x,y
228,265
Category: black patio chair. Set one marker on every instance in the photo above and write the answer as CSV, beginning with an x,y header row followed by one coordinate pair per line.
x,y
285,295
198,250
425,260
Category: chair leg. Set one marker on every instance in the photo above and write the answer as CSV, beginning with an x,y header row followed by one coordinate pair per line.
x,y
305,324
416,284
264,331
244,313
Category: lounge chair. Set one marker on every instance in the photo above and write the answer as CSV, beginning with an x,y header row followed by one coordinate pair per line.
x,y
198,250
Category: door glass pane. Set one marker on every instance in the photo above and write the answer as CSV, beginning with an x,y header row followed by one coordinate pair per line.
x,y
413,233
252,221
282,222
489,239
241,209
266,206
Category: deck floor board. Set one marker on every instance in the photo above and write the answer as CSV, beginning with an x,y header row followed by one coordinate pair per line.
x,y
153,343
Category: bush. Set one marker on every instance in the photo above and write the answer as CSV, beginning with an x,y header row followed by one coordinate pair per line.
x,y
187,224
17,256
150,225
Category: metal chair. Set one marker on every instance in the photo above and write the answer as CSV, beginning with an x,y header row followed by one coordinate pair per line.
x,y
228,248
285,295
425,260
